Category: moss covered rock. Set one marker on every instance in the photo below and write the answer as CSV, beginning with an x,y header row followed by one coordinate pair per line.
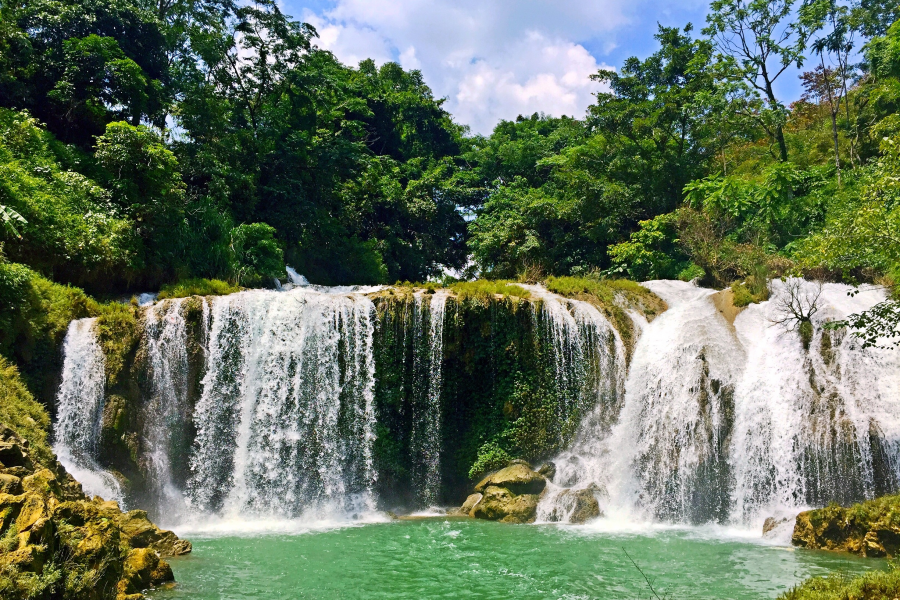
x,y
870,528
500,504
57,543
518,478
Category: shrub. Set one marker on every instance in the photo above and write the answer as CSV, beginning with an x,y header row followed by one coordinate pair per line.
x,y
490,458
257,257
197,287
20,411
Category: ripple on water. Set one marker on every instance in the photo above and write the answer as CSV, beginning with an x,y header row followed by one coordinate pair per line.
x,y
434,559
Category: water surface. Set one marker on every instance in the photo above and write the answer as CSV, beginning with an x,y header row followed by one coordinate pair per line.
x,y
476,559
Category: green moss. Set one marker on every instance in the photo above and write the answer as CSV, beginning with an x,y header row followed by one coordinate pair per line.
x,y
605,295
20,411
485,290
874,585
197,287
805,329
118,331
749,291
34,316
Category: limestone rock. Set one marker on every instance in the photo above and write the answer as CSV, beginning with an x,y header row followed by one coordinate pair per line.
x,y
868,529
110,555
518,478
10,484
469,504
141,533
575,506
548,470
500,504
143,569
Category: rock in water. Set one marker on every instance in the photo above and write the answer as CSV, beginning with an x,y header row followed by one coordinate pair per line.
x,y
868,529
499,504
46,519
518,478
470,503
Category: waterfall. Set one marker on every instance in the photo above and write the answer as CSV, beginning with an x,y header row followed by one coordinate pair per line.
x,y
164,423
79,409
285,420
426,430
734,423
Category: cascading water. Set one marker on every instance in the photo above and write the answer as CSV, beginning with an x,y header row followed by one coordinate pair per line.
x,y
164,423
426,430
712,420
285,421
79,409
734,423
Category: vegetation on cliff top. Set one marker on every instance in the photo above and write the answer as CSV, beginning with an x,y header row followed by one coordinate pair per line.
x,y
19,410
197,287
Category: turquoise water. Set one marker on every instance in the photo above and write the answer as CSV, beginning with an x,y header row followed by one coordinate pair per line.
x,y
476,559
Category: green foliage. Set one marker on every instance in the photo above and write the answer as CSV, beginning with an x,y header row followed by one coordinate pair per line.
x,y
20,411
652,252
749,291
874,584
68,226
258,259
197,287
118,331
490,458
485,290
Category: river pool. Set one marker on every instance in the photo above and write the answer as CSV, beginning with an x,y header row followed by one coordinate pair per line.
x,y
476,559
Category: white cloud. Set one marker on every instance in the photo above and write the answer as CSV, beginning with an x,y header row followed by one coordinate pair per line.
x,y
491,59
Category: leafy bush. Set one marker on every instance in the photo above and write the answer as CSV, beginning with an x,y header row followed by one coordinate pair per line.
x,y
490,458
257,257
20,411
71,228
197,287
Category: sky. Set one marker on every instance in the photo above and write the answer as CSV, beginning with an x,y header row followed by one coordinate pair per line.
x,y
497,59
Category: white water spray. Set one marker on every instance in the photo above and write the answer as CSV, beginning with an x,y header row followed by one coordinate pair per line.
x,y
79,410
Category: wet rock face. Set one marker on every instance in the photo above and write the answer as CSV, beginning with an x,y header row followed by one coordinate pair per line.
x,y
75,546
510,495
868,529
518,478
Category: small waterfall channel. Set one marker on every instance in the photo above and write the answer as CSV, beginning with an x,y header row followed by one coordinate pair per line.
x,y
267,408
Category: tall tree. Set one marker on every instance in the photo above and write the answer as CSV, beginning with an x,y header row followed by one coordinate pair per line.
x,y
763,41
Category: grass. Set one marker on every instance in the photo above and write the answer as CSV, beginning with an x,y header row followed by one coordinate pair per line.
x,y
22,413
197,287
484,289
874,585
604,293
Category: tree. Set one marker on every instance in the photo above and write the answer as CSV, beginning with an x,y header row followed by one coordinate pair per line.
x,y
762,41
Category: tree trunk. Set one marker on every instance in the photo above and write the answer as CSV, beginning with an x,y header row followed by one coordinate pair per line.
x,y
773,102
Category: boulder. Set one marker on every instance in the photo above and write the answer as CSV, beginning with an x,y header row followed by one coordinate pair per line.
x,y
470,503
548,470
868,529
44,513
518,478
139,532
10,484
585,506
575,506
143,569
500,504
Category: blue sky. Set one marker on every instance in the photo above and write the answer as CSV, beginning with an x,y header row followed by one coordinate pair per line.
x,y
496,59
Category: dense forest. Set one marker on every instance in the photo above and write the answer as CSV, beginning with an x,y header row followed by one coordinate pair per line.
x,y
149,143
